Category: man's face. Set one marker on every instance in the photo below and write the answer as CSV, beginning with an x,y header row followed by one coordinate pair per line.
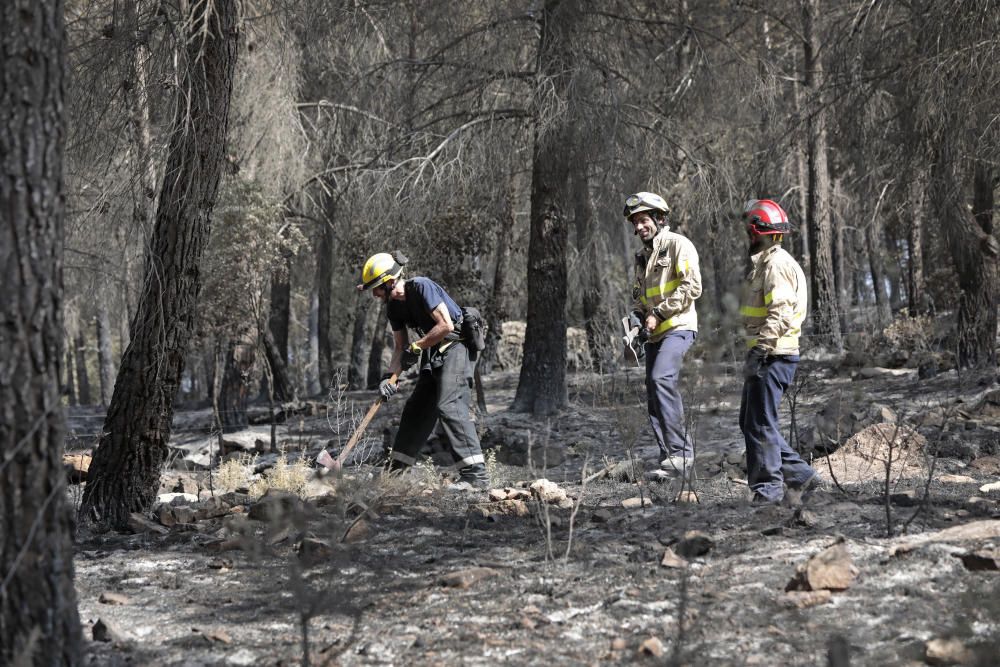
x,y
758,242
381,292
644,226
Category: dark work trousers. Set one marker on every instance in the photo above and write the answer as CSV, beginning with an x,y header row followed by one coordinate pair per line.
x,y
441,393
770,461
666,411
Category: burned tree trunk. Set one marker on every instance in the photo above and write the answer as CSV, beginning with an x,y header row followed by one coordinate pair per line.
x,y
39,623
975,252
916,283
357,369
378,345
105,360
235,388
825,299
496,311
125,472
275,335
541,387
82,377
278,368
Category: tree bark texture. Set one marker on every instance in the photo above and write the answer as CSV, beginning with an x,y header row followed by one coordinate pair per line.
x,y
284,390
378,345
916,283
69,386
125,472
82,377
105,358
541,388
592,283
39,623
324,291
357,369
235,388
975,252
826,322
874,240
496,312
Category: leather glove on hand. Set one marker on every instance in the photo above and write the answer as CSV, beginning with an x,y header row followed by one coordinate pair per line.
x,y
387,387
635,319
754,362
411,355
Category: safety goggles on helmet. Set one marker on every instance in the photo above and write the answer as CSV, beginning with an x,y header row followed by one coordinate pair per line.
x,y
764,217
644,201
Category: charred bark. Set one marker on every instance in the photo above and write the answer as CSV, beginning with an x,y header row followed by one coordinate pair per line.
x,y
275,335
378,345
975,252
496,312
235,389
125,472
324,292
357,369
916,283
541,388
284,390
39,623
82,377
826,321
105,358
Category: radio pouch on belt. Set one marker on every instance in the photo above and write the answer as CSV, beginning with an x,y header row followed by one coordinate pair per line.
x,y
473,331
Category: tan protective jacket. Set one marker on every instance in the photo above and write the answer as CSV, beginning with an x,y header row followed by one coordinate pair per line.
x,y
774,301
667,282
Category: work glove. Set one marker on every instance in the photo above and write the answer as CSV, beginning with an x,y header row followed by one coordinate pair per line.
x,y
387,387
411,355
754,362
635,319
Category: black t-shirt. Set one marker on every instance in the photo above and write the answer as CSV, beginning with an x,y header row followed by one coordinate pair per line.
x,y
423,295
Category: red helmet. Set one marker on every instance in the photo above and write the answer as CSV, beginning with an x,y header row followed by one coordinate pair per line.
x,y
764,216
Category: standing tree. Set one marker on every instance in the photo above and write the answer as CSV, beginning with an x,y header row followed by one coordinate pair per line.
x,y
541,388
125,473
39,623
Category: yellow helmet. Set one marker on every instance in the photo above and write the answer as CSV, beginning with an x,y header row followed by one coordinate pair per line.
x,y
379,268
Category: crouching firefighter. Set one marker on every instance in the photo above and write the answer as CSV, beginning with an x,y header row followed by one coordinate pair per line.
x,y
667,283
773,306
443,389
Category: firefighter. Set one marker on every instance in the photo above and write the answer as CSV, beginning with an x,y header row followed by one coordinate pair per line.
x,y
443,389
773,306
667,283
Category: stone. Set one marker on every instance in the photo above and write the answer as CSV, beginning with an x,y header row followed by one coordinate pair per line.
x,y
989,465
601,515
941,651
694,543
672,560
803,599
177,498
956,479
806,518
517,508
467,577
313,551
358,532
496,495
218,635
990,488
652,647
184,514
637,501
619,644
830,569
687,497
106,631
212,508
113,598
550,492
976,530
275,505
907,498
140,524
983,560
76,466
165,515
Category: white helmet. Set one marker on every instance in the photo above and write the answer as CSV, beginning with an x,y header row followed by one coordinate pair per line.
x,y
645,201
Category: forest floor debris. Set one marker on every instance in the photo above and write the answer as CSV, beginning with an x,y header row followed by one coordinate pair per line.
x,y
395,570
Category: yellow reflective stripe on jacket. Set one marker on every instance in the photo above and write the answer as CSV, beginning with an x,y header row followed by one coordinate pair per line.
x,y
665,325
753,311
768,298
658,290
